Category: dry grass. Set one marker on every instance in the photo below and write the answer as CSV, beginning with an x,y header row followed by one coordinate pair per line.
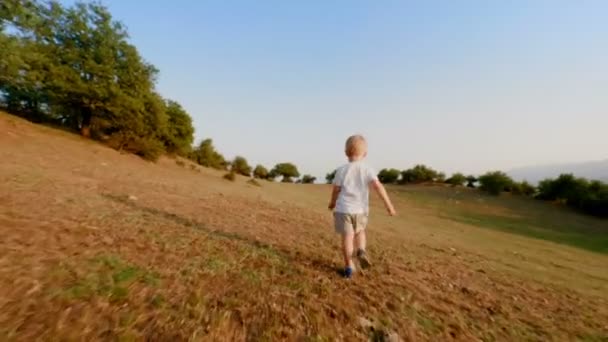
x,y
101,246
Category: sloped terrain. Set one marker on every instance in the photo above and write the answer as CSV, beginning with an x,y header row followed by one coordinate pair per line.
x,y
102,246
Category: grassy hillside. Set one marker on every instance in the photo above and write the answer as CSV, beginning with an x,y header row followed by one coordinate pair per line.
x,y
99,245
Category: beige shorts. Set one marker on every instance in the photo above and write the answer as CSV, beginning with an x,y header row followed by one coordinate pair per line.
x,y
350,223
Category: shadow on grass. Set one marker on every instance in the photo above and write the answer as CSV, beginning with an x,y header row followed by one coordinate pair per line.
x,y
285,253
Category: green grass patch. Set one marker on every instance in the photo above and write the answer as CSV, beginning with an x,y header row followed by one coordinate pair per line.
x,y
585,240
512,214
107,276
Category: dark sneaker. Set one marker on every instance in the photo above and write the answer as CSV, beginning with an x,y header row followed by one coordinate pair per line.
x,y
348,272
363,259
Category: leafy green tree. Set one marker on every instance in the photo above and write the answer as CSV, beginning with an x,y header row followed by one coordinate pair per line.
x,y
523,188
241,167
389,176
308,179
180,132
207,156
260,172
329,178
286,170
419,174
457,179
588,196
74,66
565,187
495,182
439,178
471,180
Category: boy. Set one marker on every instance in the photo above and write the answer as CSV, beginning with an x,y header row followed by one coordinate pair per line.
x,y
350,201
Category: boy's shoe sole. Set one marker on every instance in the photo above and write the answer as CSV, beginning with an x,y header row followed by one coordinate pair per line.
x,y
363,260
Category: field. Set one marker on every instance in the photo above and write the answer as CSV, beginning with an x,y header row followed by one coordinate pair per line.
x,y
97,245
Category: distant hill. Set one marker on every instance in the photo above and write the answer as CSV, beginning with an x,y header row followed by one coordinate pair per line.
x,y
591,170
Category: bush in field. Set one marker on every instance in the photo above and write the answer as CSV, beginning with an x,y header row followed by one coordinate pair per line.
x,y
286,170
308,179
495,182
206,155
389,176
231,176
471,180
260,172
457,179
240,166
419,174
588,196
329,178
523,188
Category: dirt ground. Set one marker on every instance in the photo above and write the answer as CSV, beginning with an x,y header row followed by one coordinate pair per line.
x,y
97,245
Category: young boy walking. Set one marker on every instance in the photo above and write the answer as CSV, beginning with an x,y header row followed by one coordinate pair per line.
x,y
350,201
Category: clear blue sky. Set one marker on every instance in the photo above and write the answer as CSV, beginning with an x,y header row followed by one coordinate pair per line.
x,y
457,85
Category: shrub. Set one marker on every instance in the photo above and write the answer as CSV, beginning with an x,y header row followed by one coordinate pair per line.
x,y
523,188
240,166
231,176
148,149
206,155
286,170
457,179
389,176
471,180
260,172
329,178
579,193
419,174
308,179
254,182
495,182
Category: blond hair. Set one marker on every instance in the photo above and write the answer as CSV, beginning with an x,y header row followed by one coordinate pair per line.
x,y
356,146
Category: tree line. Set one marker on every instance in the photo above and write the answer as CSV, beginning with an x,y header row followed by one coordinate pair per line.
x,y
206,155
73,66
587,196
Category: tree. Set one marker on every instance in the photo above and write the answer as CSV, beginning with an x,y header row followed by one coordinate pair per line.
x,y
523,188
308,179
180,132
260,172
329,178
566,187
419,174
471,180
207,156
588,196
74,66
457,179
495,182
388,176
240,166
287,170
439,178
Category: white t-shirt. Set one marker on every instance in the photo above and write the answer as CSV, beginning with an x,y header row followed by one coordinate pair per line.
x,y
354,179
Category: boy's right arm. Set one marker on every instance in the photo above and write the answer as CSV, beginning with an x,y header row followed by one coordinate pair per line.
x,y
334,197
384,196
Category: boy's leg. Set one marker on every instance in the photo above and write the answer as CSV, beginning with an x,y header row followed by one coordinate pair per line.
x,y
347,249
344,226
362,241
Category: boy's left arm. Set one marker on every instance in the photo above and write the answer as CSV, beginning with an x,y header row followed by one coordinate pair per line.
x,y
334,197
